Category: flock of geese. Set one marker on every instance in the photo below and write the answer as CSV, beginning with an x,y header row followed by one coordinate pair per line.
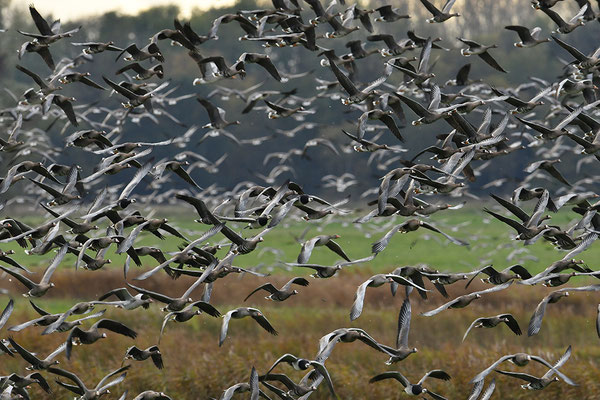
x,y
481,122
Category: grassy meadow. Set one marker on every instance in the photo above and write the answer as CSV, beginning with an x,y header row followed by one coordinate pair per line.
x,y
196,368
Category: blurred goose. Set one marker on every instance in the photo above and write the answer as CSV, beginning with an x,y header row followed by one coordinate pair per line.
x,y
36,363
302,364
389,14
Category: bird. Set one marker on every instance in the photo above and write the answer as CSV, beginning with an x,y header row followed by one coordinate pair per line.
x,y
414,389
490,322
242,312
376,281
465,300
529,38
92,334
410,225
440,16
152,352
481,51
535,383
280,294
402,350
86,393
41,288
321,240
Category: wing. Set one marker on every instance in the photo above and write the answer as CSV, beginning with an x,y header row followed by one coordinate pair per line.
x,y
450,238
27,356
481,376
137,178
359,299
117,327
343,79
382,243
471,327
55,262
333,246
266,325
485,56
267,286
6,312
404,317
225,326
157,296
535,323
321,369
437,374
519,375
439,309
287,358
68,375
512,323
391,375
430,7
306,250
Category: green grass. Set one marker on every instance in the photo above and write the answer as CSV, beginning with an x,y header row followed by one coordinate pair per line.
x,y
490,242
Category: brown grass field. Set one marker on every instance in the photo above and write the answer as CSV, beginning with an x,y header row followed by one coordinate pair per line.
x,y
196,368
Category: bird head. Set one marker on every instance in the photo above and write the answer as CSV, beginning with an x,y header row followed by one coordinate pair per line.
x,y
103,336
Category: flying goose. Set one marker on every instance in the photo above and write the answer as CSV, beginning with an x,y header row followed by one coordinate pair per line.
x,y
376,281
280,294
90,394
242,312
440,16
415,389
490,322
465,300
39,289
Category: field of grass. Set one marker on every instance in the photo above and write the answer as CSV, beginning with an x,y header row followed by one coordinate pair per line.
x,y
196,368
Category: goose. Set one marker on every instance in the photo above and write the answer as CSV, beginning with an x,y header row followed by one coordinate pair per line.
x,y
48,34
141,72
93,334
409,226
242,312
402,350
481,51
152,352
216,115
440,16
280,294
191,310
540,383
415,389
491,322
376,281
302,364
394,48
355,95
465,300
97,47
136,54
346,335
565,27
521,359
321,240
41,288
389,14
90,394
529,38
36,363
